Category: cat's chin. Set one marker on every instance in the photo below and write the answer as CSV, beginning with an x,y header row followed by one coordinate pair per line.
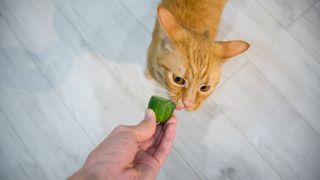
x,y
191,110
178,108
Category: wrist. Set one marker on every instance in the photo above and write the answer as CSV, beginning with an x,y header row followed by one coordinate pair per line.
x,y
93,174
79,175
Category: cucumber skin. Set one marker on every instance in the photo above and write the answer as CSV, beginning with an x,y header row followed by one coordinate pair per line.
x,y
163,108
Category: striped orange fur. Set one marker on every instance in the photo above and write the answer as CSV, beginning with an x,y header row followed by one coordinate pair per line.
x,y
183,56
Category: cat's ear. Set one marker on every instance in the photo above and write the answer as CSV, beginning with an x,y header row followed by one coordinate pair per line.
x,y
170,26
229,49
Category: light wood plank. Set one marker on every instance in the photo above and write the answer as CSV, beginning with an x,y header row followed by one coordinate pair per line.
x,y
271,124
41,120
70,64
306,30
123,46
46,127
285,11
176,168
16,161
286,64
144,11
100,99
215,149
79,64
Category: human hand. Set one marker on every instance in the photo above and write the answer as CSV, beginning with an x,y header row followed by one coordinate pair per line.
x,y
131,152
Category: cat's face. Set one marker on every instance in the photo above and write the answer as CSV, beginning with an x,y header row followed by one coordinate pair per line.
x,y
191,72
186,64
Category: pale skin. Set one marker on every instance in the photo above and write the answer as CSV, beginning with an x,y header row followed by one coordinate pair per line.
x,y
130,152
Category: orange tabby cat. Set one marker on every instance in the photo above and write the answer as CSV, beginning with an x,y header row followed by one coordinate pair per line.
x,y
183,56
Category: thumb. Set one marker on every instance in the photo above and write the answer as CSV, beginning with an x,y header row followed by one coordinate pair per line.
x,y
146,128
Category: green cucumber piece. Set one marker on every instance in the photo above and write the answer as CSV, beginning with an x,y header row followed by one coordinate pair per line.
x,y
162,107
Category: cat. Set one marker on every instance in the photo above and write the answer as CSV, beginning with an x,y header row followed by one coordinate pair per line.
x,y
183,56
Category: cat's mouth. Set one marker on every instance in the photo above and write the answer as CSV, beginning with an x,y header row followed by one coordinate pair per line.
x,y
179,108
180,105
184,107
178,102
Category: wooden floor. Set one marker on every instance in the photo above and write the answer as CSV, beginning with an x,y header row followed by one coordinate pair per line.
x,y
70,71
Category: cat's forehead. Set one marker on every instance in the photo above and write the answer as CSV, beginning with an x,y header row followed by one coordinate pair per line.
x,y
197,51
202,63
174,63
193,60
204,71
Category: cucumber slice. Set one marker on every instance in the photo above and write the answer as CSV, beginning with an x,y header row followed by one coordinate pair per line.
x,y
162,107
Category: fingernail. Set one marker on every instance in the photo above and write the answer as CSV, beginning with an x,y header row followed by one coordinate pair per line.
x,y
148,115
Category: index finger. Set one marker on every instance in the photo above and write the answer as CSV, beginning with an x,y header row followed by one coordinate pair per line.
x,y
165,145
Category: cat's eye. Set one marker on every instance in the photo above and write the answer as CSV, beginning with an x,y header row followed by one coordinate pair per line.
x,y
179,80
204,88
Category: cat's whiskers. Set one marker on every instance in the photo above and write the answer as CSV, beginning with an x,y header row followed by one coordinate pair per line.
x,y
161,91
164,91
173,97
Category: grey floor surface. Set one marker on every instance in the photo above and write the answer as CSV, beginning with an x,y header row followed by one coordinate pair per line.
x,y
72,70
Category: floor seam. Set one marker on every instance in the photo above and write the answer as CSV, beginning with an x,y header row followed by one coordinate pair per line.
x,y
285,29
286,100
187,162
98,56
249,142
300,15
22,142
303,46
233,74
134,16
48,80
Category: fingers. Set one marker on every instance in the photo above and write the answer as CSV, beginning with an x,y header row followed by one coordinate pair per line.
x,y
147,144
146,166
124,140
164,147
146,128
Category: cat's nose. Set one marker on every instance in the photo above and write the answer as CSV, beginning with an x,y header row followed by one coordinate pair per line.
x,y
187,104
